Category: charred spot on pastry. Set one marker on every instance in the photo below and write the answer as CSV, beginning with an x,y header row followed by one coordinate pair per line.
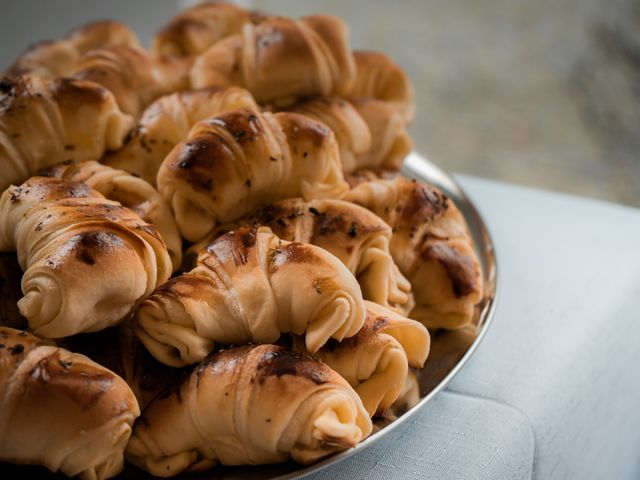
x,y
17,349
380,322
243,125
14,195
247,236
421,203
266,214
279,361
199,157
294,253
66,364
314,211
235,245
187,285
460,268
352,231
131,135
326,224
87,246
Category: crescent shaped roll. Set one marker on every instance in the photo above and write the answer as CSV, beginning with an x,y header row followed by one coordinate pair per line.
x,y
378,77
131,192
357,237
371,133
167,121
40,124
376,360
195,29
109,54
250,286
281,59
133,76
87,261
61,410
432,247
58,58
234,163
249,405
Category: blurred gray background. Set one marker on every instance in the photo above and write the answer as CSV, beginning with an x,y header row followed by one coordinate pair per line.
x,y
538,92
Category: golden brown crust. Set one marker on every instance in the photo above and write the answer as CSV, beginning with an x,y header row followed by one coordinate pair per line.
x,y
250,286
45,385
233,163
299,409
131,192
371,133
167,121
39,125
432,247
281,59
195,29
128,73
356,236
87,260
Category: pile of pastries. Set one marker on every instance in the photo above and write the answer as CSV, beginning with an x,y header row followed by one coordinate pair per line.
x,y
221,263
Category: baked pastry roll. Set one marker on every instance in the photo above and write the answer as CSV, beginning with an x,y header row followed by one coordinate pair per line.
x,y
231,164
40,125
250,286
371,133
129,73
356,236
109,54
167,121
376,360
131,192
281,59
249,405
87,260
378,77
61,410
195,29
432,247
58,58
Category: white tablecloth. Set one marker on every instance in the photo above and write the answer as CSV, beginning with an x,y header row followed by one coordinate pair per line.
x,y
553,392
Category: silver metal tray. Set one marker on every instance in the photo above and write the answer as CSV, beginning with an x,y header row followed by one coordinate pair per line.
x,y
450,351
